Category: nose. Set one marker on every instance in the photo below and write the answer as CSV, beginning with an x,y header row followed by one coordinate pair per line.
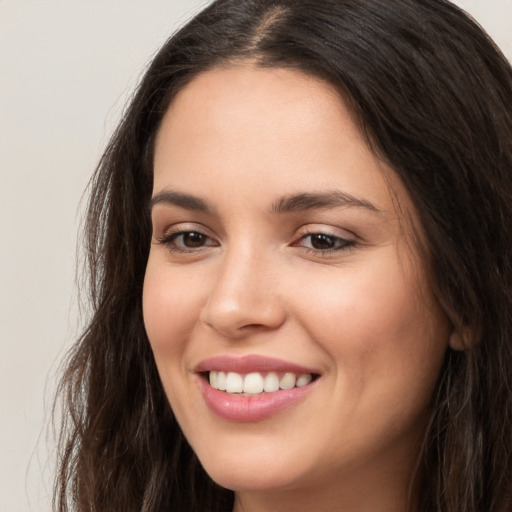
x,y
244,297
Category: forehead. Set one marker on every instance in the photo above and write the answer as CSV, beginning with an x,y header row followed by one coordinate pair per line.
x,y
268,128
268,89
270,103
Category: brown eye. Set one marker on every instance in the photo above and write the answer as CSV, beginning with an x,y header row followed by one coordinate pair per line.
x,y
187,241
322,242
192,239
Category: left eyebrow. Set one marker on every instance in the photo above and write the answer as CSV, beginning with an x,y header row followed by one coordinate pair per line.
x,y
312,201
185,201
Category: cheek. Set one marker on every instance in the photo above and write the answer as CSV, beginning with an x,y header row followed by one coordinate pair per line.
x,y
377,325
169,313
385,342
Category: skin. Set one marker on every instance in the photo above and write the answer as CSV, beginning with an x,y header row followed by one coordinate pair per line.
x,y
362,315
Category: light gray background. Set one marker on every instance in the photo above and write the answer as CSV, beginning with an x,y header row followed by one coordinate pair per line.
x,y
66,70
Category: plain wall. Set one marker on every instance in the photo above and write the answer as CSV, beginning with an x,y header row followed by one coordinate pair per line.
x,y
66,70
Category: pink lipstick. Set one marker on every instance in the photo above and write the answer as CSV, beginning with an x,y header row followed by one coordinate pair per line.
x,y
252,388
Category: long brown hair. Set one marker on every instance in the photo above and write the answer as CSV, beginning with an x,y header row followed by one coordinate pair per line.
x,y
434,96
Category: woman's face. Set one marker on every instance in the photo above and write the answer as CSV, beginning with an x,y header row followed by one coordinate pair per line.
x,y
278,257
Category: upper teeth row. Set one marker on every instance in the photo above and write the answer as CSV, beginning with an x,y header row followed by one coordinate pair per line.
x,y
254,383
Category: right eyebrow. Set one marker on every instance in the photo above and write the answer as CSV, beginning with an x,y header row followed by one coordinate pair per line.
x,y
311,201
186,201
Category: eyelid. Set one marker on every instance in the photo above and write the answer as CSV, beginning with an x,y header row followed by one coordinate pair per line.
x,y
322,229
343,241
182,227
168,236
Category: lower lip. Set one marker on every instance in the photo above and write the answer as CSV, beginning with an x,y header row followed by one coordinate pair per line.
x,y
251,408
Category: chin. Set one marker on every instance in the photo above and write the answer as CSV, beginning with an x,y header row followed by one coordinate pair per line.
x,y
259,466
249,477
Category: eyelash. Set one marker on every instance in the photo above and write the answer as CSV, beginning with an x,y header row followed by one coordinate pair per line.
x,y
169,239
340,243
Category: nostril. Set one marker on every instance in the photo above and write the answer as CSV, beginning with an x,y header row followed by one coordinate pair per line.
x,y
252,326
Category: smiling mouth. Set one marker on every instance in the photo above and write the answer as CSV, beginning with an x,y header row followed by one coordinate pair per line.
x,y
257,383
253,388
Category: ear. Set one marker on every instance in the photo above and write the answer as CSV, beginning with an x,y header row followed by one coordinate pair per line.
x,y
456,341
462,339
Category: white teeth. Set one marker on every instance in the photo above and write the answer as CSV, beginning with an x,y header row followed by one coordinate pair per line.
x,y
221,381
255,383
287,381
271,382
303,379
234,383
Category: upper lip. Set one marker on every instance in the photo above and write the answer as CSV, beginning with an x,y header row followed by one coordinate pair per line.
x,y
249,364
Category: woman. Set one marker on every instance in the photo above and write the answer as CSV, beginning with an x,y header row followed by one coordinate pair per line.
x,y
299,254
